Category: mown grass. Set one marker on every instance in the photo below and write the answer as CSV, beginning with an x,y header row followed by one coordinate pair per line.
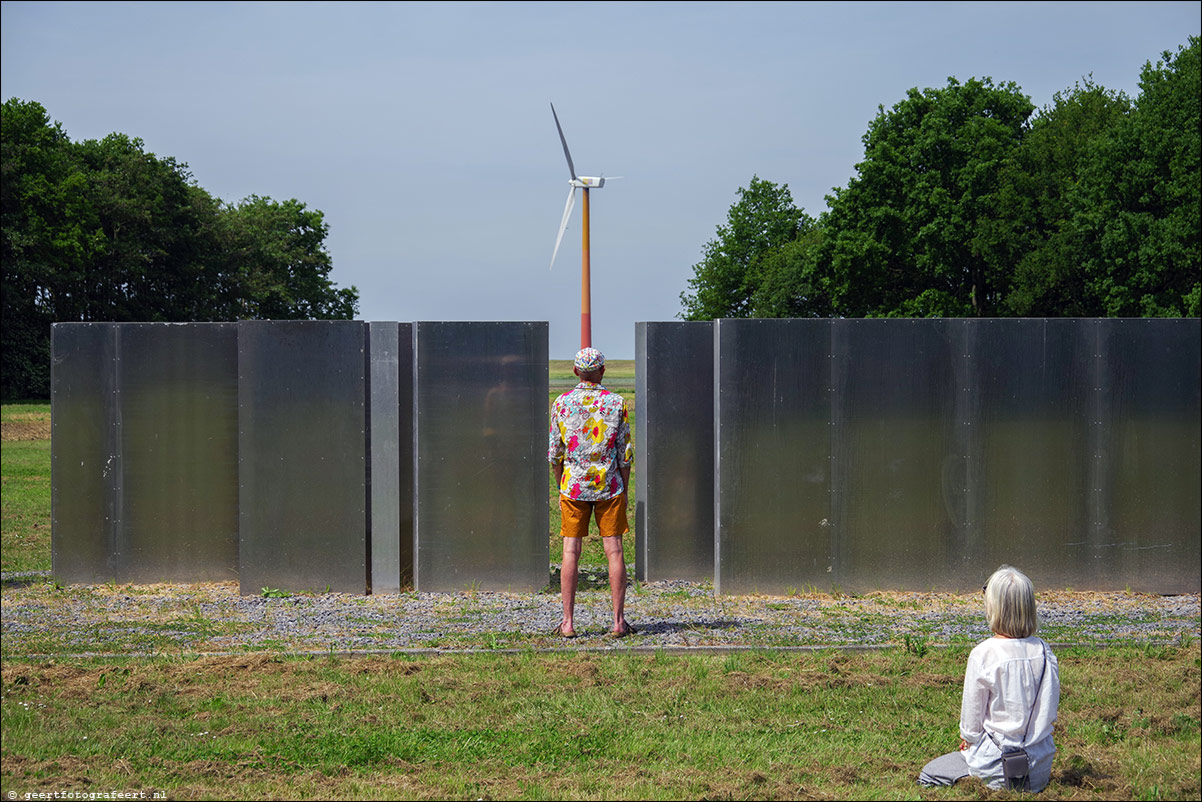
x,y
619,373
25,478
746,725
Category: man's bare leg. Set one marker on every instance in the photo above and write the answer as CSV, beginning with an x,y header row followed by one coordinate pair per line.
x,y
617,581
568,577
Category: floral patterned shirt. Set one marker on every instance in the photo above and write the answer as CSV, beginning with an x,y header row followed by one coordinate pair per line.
x,y
590,435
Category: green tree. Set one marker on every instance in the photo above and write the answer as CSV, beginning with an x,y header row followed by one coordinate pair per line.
x,y
911,234
1033,229
103,230
1136,208
277,256
792,280
726,280
45,230
153,250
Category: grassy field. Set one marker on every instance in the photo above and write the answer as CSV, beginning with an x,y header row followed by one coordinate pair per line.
x,y
619,374
747,725
757,724
25,473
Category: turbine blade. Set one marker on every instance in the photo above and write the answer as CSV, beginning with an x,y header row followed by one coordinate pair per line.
x,y
563,224
571,168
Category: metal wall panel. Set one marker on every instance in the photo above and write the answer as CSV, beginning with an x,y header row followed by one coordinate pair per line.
x,y
302,455
1036,391
405,453
674,448
901,462
480,427
1068,447
84,452
144,452
772,480
178,494
390,416
384,476
1148,513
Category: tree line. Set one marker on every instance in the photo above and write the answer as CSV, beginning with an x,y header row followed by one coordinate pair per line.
x,y
102,230
969,202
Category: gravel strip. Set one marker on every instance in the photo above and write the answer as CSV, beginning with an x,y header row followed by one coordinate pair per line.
x,y
40,618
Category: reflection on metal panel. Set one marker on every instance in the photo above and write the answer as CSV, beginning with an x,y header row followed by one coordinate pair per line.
x,y
1070,448
1148,510
391,426
302,455
84,451
178,388
901,487
405,451
772,455
640,472
674,430
384,545
480,425
144,453
1036,380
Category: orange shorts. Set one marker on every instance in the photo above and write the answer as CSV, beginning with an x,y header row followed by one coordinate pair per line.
x,y
610,512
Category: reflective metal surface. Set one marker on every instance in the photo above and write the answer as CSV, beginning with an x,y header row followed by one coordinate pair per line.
x,y
1147,514
772,407
302,451
1070,448
144,452
1036,397
778,454
480,428
84,452
674,451
390,416
178,389
900,486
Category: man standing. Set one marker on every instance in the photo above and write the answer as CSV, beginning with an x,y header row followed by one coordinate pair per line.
x,y
590,454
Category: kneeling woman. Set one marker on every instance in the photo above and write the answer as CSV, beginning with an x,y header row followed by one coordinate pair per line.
x,y
1011,694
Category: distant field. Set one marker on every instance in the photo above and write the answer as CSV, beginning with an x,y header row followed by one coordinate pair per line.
x,y
618,373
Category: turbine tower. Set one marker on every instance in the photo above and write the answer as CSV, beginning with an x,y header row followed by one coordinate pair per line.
x,y
583,182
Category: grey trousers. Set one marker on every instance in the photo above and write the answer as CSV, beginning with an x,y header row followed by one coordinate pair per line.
x,y
944,770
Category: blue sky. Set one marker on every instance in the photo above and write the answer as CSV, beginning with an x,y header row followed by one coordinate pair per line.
x,y
423,132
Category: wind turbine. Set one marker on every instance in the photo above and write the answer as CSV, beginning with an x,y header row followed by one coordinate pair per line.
x,y
584,182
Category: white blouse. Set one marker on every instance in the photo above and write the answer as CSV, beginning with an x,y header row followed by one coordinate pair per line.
x,y
1005,687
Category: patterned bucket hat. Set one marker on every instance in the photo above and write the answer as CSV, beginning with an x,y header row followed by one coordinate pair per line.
x,y
589,359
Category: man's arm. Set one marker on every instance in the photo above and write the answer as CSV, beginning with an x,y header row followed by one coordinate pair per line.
x,y
625,447
555,449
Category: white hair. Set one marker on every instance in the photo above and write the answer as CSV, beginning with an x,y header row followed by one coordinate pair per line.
x,y
1010,603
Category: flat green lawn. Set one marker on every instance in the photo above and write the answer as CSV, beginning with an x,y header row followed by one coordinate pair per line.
x,y
618,372
745,725
25,512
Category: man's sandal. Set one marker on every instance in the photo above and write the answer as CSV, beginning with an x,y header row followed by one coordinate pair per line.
x,y
627,629
559,631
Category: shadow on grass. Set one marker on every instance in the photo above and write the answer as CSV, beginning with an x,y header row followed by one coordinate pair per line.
x,y
21,579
